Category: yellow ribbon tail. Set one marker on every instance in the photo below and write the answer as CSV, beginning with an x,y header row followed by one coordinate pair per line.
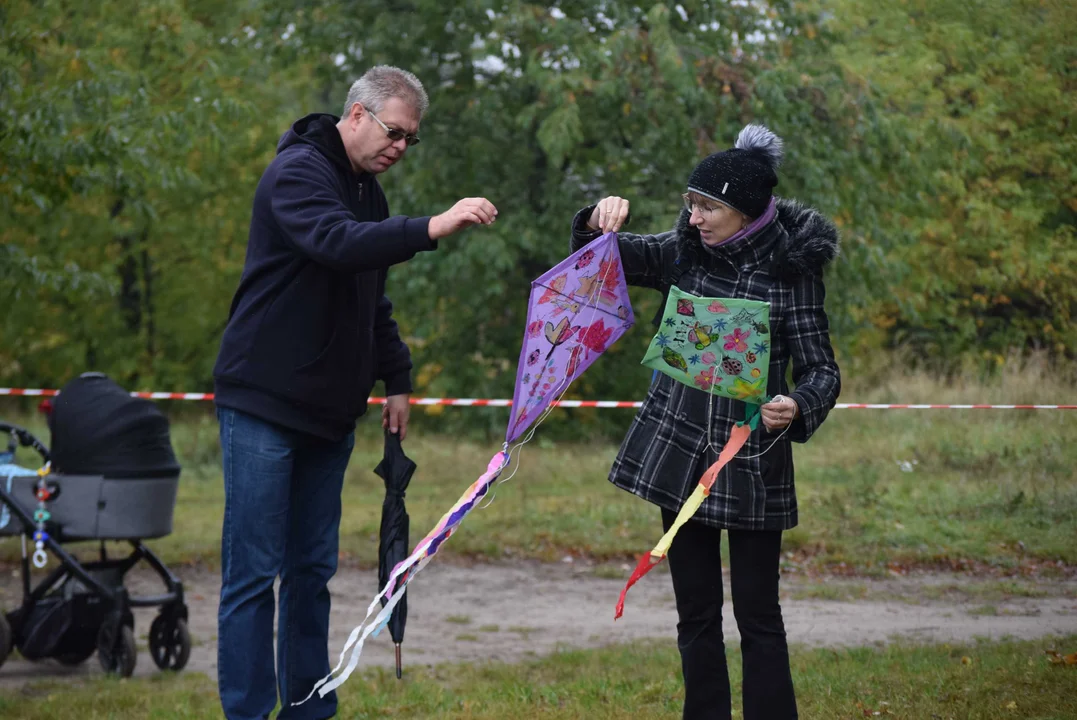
x,y
687,511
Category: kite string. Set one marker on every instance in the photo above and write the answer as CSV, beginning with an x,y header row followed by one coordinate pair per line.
x,y
769,447
710,446
710,419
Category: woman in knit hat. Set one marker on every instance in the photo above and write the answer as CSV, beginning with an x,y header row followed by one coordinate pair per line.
x,y
733,239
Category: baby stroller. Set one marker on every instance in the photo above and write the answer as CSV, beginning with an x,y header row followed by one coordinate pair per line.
x,y
111,475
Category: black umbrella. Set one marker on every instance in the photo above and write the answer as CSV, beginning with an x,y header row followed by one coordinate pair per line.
x,y
396,470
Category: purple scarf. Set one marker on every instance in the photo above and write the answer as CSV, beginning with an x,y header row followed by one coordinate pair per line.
x,y
754,226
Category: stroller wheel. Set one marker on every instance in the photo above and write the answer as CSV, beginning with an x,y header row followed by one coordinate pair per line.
x,y
170,642
117,654
5,638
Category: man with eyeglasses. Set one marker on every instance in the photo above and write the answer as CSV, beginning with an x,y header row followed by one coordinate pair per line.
x,y
310,331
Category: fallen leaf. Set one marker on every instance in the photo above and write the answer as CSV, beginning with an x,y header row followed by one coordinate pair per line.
x,y
1058,658
1011,705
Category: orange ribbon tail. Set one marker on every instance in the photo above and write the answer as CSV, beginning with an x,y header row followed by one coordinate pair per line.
x,y
737,437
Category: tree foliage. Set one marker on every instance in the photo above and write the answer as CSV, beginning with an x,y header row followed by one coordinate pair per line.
x,y
988,92
131,135
936,133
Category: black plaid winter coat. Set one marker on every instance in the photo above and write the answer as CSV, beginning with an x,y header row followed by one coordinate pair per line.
x,y
664,453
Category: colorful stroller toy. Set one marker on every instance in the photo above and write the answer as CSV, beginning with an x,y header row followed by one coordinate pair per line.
x,y
111,475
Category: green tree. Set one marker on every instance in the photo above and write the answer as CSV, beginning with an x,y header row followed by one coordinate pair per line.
x,y
131,136
987,92
545,110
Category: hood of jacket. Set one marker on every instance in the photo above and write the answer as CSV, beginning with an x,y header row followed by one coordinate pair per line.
x,y
320,131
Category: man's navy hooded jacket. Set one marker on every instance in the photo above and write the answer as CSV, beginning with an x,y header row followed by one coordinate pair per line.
x,y
310,330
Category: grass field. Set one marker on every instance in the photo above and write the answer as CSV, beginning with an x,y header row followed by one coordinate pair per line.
x,y
990,495
966,682
879,491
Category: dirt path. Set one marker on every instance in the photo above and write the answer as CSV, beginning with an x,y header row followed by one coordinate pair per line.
x,y
512,612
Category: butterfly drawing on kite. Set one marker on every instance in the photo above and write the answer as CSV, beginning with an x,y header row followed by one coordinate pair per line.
x,y
700,335
561,332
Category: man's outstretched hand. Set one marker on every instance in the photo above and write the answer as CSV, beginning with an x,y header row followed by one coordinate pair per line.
x,y
467,212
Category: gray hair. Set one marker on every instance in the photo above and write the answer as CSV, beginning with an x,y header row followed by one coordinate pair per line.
x,y
382,82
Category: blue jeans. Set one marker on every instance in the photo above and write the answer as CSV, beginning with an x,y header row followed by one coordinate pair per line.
x,y
281,518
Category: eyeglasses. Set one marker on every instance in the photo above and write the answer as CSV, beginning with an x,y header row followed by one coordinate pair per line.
x,y
703,209
395,134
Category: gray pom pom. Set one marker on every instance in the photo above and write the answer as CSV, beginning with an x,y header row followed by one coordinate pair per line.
x,y
763,141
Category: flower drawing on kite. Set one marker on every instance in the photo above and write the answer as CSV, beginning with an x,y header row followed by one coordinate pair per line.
x,y
744,390
706,380
597,336
738,340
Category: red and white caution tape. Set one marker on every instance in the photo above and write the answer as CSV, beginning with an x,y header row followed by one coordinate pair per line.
x,y
875,406
38,392
481,402
28,392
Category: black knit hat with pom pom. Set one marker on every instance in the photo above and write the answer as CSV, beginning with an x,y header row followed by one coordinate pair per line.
x,y
744,176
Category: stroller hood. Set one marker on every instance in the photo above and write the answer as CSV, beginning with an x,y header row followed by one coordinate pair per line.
x,y
97,428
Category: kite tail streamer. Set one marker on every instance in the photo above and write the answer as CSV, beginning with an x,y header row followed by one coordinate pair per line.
x,y
404,572
737,437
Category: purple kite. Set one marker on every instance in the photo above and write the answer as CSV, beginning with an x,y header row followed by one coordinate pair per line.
x,y
576,310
